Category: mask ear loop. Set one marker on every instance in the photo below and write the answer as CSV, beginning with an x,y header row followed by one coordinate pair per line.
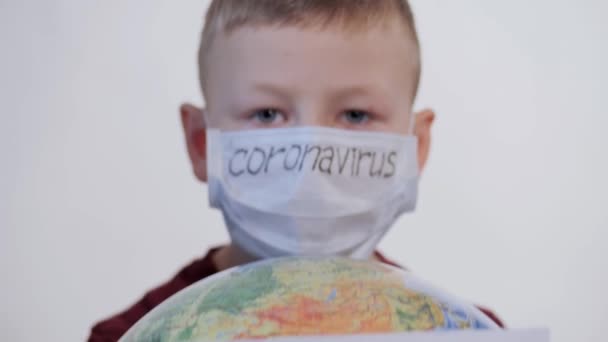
x,y
412,127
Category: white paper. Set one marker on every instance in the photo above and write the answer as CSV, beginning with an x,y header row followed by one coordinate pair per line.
x,y
530,335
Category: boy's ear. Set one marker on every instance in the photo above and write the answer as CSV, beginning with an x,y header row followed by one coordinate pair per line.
x,y
422,130
193,122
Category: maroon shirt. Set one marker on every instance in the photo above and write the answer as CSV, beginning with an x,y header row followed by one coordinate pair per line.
x,y
113,328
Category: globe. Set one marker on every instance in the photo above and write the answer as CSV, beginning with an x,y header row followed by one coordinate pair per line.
x,y
305,296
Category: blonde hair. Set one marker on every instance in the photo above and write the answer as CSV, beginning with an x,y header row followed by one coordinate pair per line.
x,y
229,15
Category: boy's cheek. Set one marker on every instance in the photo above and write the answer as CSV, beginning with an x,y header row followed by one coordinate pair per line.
x,y
223,121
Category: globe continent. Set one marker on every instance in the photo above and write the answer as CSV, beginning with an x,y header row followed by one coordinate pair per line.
x,y
304,296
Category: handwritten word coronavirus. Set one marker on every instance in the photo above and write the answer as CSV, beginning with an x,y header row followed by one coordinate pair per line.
x,y
331,160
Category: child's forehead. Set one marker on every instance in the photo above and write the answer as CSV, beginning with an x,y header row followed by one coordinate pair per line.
x,y
227,15
391,29
346,26
354,18
334,60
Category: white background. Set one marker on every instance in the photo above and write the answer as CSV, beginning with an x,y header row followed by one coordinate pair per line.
x,y
98,204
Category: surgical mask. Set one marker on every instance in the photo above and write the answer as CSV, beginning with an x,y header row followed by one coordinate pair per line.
x,y
310,190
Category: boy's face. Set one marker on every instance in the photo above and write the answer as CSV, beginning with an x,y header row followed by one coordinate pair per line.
x,y
271,77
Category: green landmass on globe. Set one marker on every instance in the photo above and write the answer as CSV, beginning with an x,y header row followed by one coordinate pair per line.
x,y
300,296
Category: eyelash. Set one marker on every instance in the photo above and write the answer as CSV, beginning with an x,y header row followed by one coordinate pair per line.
x,y
367,115
254,115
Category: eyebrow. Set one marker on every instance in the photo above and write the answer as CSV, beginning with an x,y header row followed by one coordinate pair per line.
x,y
271,90
354,90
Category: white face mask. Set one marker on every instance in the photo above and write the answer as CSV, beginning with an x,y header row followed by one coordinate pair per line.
x,y
311,190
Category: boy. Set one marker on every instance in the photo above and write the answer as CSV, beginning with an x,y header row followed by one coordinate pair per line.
x,y
307,141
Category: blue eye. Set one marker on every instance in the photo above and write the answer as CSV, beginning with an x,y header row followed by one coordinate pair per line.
x,y
267,115
354,116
